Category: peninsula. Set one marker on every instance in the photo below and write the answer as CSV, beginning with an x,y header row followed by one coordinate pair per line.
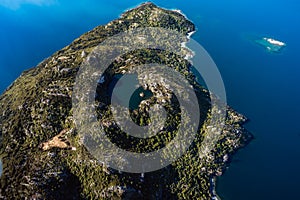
x,y
43,156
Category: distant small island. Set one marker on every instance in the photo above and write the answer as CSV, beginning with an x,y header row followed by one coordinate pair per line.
x,y
271,44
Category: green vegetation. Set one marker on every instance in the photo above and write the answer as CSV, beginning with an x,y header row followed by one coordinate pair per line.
x,y
38,106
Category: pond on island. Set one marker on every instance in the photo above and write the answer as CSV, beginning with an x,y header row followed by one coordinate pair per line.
x,y
127,92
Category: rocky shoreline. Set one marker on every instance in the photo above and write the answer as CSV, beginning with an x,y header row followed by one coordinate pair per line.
x,y
0,167
42,153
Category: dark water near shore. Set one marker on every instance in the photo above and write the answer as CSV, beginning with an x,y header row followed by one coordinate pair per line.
x,y
261,85
120,86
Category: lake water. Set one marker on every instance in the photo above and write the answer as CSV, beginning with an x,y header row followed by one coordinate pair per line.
x,y
261,85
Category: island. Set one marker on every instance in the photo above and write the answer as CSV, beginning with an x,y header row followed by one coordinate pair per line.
x,y
44,158
271,44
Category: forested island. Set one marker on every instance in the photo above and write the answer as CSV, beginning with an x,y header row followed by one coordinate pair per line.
x,y
43,155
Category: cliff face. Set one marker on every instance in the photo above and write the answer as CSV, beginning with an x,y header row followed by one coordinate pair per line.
x,y
43,157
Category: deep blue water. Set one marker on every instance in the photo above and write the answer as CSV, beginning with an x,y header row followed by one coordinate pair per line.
x,y
263,86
